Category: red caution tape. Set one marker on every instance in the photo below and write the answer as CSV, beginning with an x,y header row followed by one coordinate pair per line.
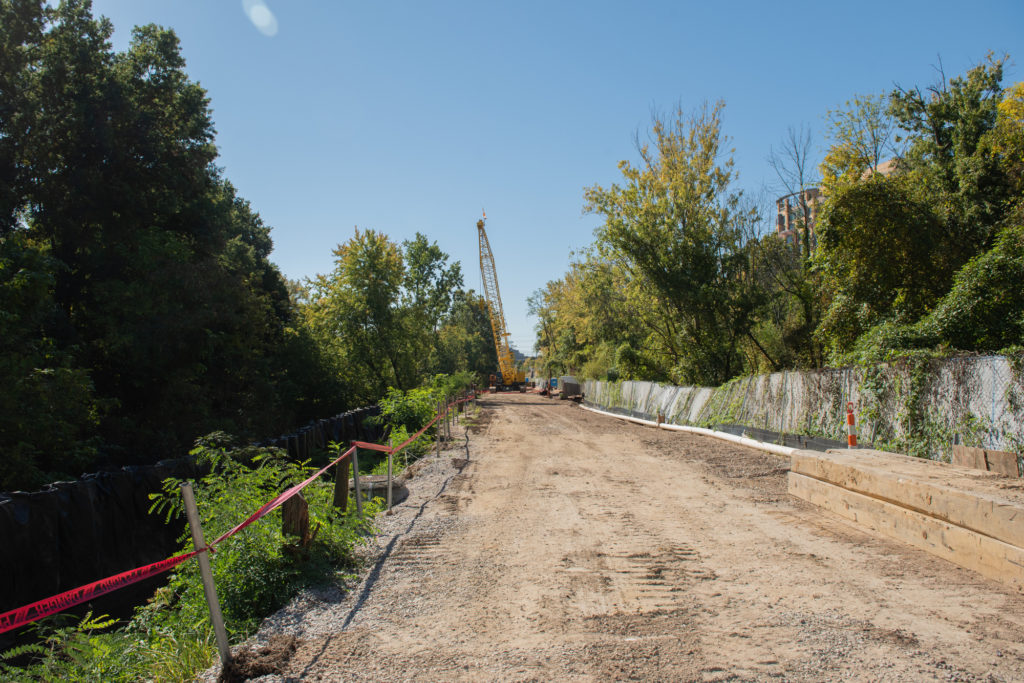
x,y
76,596
395,449
366,445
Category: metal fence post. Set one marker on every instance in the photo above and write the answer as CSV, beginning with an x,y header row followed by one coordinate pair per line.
x,y
216,618
355,480
437,430
389,481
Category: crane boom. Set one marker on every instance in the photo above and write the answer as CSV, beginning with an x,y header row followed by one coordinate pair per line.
x,y
506,361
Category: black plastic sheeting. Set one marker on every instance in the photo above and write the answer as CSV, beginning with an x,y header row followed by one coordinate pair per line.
x,y
811,443
75,532
802,441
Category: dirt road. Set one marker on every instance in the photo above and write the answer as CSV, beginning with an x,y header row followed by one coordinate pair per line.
x,y
572,546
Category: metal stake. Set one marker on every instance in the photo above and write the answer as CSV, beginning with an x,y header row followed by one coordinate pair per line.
x,y
355,478
389,482
437,431
216,618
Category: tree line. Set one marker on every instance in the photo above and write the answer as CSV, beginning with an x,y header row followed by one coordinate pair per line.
x,y
138,305
916,244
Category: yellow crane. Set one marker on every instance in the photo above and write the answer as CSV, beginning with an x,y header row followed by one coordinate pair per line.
x,y
510,378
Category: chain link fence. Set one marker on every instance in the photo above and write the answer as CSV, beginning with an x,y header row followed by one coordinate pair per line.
x,y
918,406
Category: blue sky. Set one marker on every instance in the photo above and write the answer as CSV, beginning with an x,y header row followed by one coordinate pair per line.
x,y
412,116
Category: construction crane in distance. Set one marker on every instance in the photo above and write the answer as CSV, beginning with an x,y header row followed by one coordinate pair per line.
x,y
510,378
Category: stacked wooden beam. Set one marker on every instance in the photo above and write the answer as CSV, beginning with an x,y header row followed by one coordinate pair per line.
x,y
972,518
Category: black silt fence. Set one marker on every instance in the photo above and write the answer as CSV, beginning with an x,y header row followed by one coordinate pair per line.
x,y
74,532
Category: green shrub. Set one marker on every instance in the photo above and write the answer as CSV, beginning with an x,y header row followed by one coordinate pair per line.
x,y
255,572
409,409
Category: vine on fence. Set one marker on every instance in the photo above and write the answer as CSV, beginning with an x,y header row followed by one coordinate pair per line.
x,y
919,403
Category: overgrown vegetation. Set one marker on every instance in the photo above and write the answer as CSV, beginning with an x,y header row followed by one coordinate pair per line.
x,y
404,413
138,305
255,571
917,245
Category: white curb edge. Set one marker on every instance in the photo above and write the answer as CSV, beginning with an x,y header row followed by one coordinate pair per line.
x,y
775,449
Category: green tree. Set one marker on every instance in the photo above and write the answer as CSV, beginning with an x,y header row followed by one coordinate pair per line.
x,y
465,342
22,23
863,136
891,248
48,410
947,128
676,225
153,296
430,281
429,288
877,255
354,311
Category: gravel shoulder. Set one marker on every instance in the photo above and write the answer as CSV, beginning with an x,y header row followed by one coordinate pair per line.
x,y
550,543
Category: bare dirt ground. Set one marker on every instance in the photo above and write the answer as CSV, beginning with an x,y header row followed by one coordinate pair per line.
x,y
564,545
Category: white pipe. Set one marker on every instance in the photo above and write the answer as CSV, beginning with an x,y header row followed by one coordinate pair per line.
x,y
776,449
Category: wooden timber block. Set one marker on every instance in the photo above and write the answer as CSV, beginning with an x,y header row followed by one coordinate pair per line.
x,y
987,556
295,517
968,456
1002,462
341,484
981,502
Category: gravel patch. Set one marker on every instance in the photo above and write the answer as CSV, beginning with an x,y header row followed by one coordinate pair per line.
x,y
332,608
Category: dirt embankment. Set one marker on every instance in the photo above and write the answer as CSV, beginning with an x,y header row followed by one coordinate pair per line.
x,y
562,545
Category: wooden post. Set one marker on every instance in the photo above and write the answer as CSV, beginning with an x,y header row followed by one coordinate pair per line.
x,y
295,518
355,480
216,618
341,484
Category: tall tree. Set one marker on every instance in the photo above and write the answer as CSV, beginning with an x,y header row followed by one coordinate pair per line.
x,y
153,301
676,224
877,256
430,281
355,311
948,125
465,341
863,136
891,247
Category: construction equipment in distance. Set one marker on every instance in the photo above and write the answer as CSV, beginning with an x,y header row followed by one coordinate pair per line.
x,y
510,378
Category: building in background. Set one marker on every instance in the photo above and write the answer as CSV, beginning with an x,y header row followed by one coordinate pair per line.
x,y
791,218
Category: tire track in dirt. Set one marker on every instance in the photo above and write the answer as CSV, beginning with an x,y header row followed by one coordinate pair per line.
x,y
576,547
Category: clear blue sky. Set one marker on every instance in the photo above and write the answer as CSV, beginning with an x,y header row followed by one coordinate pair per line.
x,y
412,116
